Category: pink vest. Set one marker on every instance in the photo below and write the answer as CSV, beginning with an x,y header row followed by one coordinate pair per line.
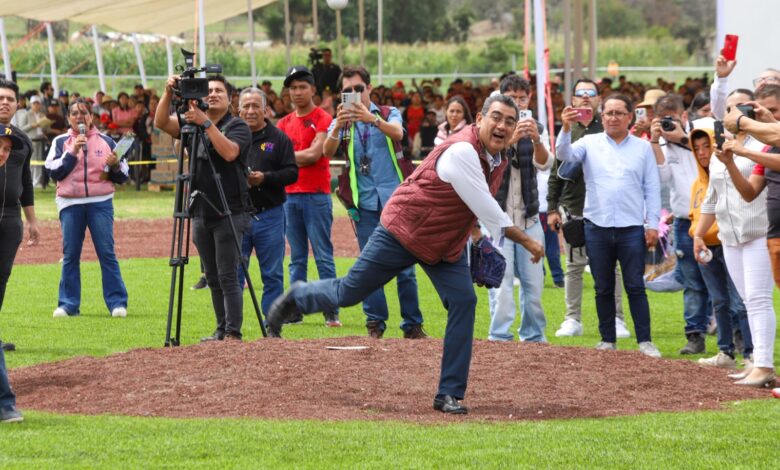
x,y
427,216
84,180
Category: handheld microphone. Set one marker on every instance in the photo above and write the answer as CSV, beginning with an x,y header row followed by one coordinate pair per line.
x,y
83,131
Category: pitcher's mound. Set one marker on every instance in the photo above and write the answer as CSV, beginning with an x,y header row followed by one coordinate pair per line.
x,y
387,379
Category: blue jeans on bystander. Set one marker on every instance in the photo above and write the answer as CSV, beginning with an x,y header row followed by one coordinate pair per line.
x,y
74,220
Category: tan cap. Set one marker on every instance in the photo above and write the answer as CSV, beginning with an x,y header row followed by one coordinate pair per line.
x,y
651,96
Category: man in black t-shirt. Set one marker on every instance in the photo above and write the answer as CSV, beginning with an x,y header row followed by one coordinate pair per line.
x,y
326,73
271,167
16,191
228,139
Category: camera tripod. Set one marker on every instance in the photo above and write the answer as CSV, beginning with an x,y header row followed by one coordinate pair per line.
x,y
185,197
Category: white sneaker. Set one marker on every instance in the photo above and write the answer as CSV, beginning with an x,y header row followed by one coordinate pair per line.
x,y
621,330
59,312
720,360
648,349
604,346
119,312
569,327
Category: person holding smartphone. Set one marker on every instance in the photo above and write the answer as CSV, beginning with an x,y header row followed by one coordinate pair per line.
x,y
370,136
566,199
271,167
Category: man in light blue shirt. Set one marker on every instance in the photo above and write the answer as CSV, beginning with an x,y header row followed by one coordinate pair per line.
x,y
367,138
622,210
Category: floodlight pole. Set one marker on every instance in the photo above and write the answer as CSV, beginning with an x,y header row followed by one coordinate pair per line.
x,y
52,60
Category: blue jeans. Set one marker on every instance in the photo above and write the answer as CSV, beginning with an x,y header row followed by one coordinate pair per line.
x,y
375,305
74,220
606,247
502,299
309,220
552,249
730,312
695,297
7,397
382,259
266,237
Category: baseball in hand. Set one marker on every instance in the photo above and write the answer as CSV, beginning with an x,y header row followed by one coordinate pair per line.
x,y
705,255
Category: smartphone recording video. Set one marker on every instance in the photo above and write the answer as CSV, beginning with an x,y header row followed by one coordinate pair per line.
x,y
719,137
729,51
641,114
525,114
348,100
584,114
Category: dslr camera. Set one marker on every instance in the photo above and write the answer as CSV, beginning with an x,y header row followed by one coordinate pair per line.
x,y
190,88
668,124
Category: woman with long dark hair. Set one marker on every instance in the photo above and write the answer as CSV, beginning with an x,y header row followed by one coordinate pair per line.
x,y
458,116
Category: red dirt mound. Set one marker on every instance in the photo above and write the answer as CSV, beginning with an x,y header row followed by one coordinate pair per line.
x,y
390,379
149,239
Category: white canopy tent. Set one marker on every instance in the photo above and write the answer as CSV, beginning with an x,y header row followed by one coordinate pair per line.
x,y
164,17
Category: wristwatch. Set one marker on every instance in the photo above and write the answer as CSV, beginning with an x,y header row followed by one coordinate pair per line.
x,y
207,124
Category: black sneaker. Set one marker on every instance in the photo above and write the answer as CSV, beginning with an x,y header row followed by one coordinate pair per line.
x,y
449,405
216,336
332,320
7,347
201,284
560,284
374,329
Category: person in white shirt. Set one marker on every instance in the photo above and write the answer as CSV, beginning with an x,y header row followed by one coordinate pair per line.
x,y
678,170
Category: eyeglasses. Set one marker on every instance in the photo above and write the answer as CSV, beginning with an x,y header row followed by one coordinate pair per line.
x,y
498,117
585,92
356,88
758,81
615,114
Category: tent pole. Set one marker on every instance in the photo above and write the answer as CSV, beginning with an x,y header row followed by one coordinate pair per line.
x,y
99,59
287,32
52,60
251,42
139,58
362,31
379,8
6,54
202,35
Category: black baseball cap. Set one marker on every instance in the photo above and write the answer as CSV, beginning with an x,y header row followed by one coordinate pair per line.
x,y
298,72
16,140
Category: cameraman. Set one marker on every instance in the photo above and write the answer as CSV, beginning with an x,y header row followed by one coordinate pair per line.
x,y
326,73
228,139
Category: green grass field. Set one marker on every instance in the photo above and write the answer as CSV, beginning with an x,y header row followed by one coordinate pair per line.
x,y
743,435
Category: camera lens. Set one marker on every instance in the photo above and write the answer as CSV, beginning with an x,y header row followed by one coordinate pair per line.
x,y
667,124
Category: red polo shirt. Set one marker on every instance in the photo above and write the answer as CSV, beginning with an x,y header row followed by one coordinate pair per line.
x,y
302,131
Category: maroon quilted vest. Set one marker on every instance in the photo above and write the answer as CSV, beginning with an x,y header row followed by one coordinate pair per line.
x,y
426,215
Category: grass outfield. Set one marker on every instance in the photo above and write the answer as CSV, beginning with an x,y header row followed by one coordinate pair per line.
x,y
48,440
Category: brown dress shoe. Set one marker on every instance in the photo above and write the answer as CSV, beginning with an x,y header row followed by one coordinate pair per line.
x,y
374,330
415,332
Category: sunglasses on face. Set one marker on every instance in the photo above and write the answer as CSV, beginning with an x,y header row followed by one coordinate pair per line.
x,y
356,88
586,92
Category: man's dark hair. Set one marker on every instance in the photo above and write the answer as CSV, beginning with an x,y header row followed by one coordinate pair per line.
x,y
585,80
11,86
266,82
514,83
742,91
768,91
350,71
668,103
221,78
503,99
620,97
44,86
326,49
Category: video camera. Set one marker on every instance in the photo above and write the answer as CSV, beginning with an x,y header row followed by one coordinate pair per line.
x,y
190,88
315,56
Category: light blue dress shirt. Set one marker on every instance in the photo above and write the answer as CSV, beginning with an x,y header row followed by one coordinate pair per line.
x,y
622,185
378,185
